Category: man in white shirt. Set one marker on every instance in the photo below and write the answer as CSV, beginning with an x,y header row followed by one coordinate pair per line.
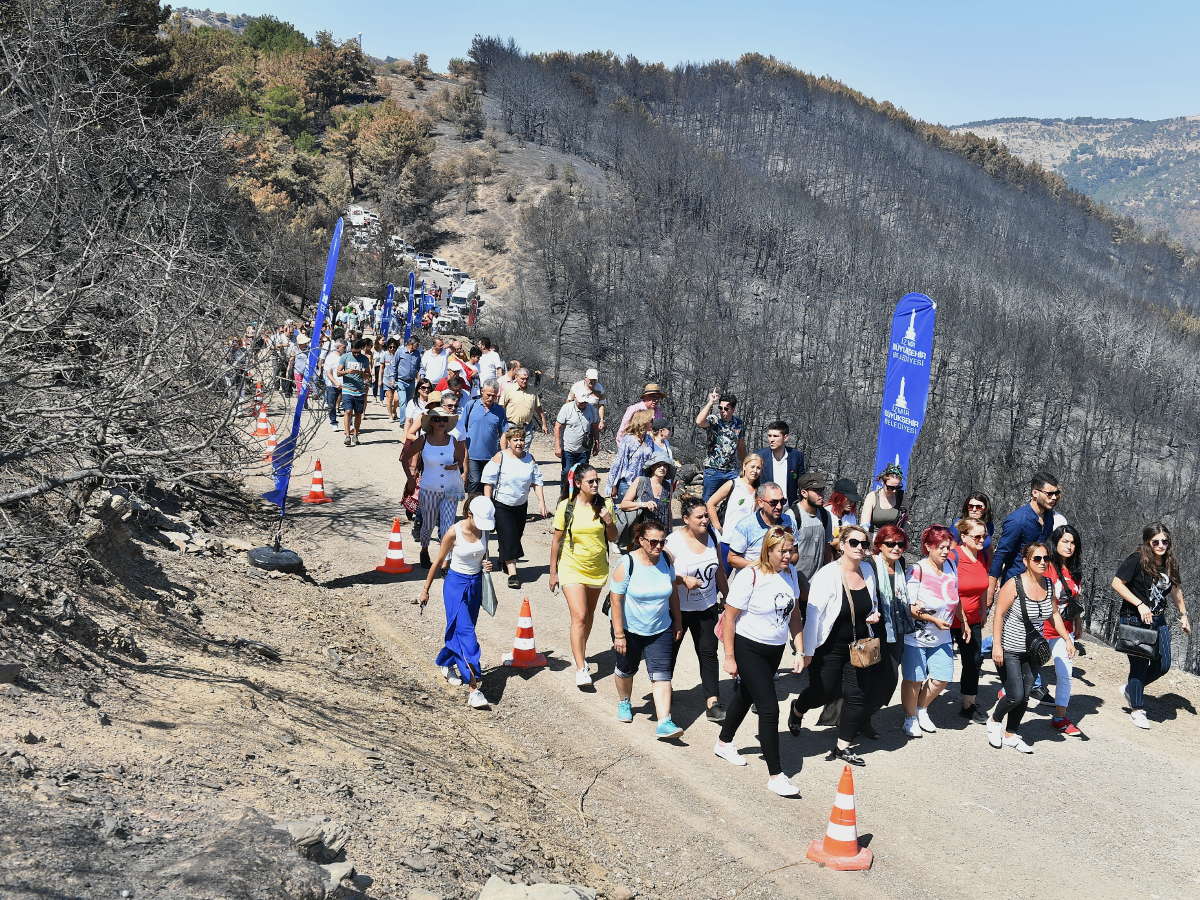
x,y
590,388
434,361
333,381
490,364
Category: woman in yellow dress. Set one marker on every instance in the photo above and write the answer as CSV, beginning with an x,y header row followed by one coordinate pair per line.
x,y
583,526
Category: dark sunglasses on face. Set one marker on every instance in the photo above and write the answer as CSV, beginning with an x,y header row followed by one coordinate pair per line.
x,y
655,542
893,544
1038,558
1160,542
778,502
590,481
855,542
1052,494
976,506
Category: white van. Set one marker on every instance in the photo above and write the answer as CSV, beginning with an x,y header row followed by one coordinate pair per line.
x,y
439,265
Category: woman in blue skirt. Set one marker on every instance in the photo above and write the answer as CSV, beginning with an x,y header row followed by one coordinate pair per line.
x,y
462,592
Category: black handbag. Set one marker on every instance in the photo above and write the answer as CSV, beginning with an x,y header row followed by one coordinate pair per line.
x,y
1036,645
1136,640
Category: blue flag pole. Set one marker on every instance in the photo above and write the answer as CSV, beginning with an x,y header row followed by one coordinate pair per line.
x,y
385,324
408,318
906,384
285,452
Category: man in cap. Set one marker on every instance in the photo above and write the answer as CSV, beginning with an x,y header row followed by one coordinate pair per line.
x,y
814,524
652,395
726,441
782,464
575,434
589,386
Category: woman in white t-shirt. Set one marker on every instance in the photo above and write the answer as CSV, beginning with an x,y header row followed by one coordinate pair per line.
x,y
760,613
507,479
699,579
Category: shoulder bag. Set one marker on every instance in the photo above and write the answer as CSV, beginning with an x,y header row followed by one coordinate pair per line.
x,y
487,601
864,652
1136,640
1036,644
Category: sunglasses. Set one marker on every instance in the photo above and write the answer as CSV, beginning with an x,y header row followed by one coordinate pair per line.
x,y
590,481
1038,558
655,542
855,542
1160,542
725,407
778,502
1053,494
894,544
976,506
780,529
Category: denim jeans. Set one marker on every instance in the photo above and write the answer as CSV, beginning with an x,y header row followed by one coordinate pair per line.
x,y
571,458
404,393
331,402
1145,671
714,478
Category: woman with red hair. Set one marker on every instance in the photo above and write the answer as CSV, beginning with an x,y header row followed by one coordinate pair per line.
x,y
928,660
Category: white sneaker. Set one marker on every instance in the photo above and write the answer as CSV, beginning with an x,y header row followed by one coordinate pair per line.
x,y
583,677
782,786
1017,744
1138,718
911,728
995,733
729,753
924,721
476,700
450,677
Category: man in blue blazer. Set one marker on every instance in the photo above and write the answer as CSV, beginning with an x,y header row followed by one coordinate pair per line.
x,y
782,464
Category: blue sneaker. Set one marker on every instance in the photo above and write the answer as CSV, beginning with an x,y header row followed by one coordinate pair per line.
x,y
667,730
624,711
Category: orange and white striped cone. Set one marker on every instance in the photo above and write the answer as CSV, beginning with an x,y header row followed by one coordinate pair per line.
x,y
839,849
316,493
263,426
272,443
525,655
394,561
258,395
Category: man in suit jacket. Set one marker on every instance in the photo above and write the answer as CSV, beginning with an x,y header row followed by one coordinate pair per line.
x,y
782,464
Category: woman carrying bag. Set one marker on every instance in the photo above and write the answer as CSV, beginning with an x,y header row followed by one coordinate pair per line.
x,y
648,497
462,594
841,644
1019,648
507,480
891,581
1145,581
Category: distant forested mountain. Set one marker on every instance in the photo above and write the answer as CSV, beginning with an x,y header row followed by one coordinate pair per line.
x,y
759,225
1147,170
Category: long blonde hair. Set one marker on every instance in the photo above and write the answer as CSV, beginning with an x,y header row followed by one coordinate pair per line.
x,y
639,423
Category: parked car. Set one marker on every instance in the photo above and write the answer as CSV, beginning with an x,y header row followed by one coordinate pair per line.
x,y
439,265
424,262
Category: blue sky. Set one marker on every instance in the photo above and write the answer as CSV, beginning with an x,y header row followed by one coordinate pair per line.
x,y
947,62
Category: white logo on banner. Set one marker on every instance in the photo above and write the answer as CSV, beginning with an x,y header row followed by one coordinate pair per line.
x,y
901,403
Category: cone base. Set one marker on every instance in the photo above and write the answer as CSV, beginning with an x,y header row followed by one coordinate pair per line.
x,y
859,862
538,660
316,499
402,568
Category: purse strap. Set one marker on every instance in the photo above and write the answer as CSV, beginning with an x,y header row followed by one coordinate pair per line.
x,y
853,621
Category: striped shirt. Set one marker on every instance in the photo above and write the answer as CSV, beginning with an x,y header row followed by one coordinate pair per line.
x,y
1014,638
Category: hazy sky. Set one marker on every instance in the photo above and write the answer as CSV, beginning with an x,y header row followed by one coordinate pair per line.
x,y
947,62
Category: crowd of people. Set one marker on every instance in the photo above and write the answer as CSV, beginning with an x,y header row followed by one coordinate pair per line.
x,y
764,558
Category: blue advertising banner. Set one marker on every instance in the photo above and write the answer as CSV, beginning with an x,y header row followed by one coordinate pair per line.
x,y
906,385
281,459
408,318
385,321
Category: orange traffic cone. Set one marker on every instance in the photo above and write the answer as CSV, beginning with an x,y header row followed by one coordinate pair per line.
x,y
263,427
394,561
272,443
525,655
839,848
316,493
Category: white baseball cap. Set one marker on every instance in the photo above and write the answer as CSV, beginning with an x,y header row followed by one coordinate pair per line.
x,y
484,512
593,374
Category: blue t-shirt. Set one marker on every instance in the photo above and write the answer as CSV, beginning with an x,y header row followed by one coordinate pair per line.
x,y
647,591
483,426
746,537
354,382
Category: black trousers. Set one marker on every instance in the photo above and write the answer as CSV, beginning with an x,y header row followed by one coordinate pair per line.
x,y
700,624
1018,682
970,657
510,528
756,667
830,677
888,675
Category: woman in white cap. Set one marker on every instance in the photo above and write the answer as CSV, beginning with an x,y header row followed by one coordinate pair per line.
x,y
441,461
462,593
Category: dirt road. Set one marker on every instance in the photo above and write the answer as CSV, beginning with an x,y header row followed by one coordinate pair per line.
x,y
946,815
